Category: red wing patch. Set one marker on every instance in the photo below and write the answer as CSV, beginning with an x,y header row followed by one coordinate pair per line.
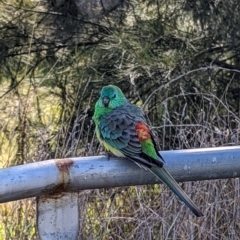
x,y
143,131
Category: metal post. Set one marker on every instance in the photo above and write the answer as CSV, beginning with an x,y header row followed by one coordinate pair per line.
x,y
57,217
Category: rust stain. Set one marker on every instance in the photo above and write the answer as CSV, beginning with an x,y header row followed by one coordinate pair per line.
x,y
63,166
54,193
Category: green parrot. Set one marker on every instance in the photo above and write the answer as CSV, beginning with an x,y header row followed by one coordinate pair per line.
x,y
122,129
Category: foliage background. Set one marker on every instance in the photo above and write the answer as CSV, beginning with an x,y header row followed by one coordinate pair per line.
x,y
179,60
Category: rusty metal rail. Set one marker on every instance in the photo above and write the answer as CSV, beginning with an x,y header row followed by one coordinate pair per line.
x,y
73,174
58,217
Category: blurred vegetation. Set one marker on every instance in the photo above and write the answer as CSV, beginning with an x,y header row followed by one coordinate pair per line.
x,y
179,60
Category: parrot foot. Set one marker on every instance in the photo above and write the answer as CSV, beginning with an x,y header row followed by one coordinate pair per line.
x,y
109,154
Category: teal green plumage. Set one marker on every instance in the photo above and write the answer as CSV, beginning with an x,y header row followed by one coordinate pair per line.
x,y
122,129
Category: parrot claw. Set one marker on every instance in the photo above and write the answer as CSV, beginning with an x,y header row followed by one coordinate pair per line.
x,y
109,154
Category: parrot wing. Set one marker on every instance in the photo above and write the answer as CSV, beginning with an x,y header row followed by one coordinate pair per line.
x,y
118,129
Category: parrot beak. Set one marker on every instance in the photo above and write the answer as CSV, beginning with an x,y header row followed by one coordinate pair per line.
x,y
105,101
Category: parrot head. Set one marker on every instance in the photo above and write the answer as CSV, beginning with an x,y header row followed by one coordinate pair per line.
x,y
111,97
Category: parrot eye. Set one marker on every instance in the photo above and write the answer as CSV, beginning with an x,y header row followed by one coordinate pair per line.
x,y
114,96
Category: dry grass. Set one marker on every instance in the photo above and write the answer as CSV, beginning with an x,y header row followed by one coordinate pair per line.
x,y
17,220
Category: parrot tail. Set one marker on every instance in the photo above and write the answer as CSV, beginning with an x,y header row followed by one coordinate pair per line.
x,y
166,177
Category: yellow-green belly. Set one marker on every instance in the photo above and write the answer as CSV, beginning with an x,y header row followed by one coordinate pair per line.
x,y
108,147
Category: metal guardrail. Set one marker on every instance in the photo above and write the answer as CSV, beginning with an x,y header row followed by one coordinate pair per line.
x,y
58,216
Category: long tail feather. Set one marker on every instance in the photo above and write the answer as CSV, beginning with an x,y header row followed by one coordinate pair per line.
x,y
165,176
